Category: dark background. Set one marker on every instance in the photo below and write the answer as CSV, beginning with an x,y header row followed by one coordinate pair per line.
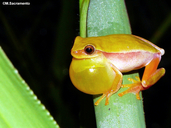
x,y
38,38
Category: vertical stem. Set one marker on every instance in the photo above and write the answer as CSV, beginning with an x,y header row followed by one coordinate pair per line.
x,y
83,16
110,17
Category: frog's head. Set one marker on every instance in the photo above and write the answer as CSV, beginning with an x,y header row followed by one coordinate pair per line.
x,y
84,48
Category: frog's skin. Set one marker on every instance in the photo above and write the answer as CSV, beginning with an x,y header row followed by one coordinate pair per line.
x,y
98,64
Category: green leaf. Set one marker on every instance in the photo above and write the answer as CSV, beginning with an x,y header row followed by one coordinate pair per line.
x,y
107,17
19,107
104,18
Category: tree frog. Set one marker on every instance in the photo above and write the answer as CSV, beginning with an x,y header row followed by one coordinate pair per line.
x,y
98,63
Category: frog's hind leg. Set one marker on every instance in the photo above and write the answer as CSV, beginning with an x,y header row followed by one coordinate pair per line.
x,y
150,76
151,73
135,87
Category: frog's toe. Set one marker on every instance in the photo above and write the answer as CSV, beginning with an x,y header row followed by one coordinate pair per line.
x,y
135,81
134,88
100,99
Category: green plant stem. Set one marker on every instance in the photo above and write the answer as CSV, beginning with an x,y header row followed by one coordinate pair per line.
x,y
104,18
83,16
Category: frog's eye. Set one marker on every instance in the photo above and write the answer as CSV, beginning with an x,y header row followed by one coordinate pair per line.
x,y
89,49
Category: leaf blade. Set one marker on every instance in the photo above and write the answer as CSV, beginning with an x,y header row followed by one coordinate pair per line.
x,y
19,107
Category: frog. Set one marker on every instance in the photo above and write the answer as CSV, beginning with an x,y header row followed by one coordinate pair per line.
x,y
98,64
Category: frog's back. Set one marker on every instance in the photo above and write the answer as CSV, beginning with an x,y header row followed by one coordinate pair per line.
x,y
120,43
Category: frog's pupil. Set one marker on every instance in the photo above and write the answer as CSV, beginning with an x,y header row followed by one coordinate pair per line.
x,y
89,50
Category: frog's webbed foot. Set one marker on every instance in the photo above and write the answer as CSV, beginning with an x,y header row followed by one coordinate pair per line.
x,y
100,99
134,88
107,95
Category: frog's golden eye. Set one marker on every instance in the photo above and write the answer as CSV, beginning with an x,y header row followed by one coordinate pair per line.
x,y
89,49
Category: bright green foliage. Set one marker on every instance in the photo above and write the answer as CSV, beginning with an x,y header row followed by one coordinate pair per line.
x,y
19,107
104,18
